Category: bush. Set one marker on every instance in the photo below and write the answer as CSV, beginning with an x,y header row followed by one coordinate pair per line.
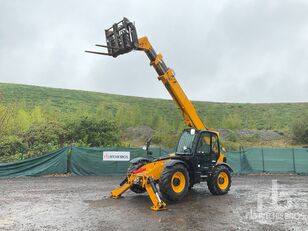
x,y
232,136
41,138
93,133
232,122
11,145
300,131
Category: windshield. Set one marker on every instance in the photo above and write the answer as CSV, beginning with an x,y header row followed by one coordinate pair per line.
x,y
185,143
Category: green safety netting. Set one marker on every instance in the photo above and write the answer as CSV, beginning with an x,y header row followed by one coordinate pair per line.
x,y
278,160
89,161
234,160
301,160
51,163
271,160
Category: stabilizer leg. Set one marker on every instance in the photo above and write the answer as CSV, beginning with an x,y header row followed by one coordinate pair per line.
x,y
119,191
158,204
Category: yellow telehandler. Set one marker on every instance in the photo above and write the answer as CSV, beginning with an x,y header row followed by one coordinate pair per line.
x,y
198,156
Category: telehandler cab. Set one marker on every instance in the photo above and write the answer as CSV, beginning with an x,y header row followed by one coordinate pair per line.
x,y
198,155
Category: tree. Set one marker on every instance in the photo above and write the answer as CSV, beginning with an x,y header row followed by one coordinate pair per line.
x,y
103,111
4,118
93,133
11,145
23,119
37,115
121,116
164,134
40,138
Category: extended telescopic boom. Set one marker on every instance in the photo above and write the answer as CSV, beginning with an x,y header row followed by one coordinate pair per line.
x,y
122,38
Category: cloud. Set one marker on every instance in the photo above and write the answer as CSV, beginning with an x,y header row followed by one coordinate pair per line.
x,y
243,51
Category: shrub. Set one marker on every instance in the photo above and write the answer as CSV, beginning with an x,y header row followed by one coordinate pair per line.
x,y
300,131
232,136
11,145
41,138
93,133
232,122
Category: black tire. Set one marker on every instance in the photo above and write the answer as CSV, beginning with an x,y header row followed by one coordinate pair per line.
x,y
136,188
218,184
167,187
191,184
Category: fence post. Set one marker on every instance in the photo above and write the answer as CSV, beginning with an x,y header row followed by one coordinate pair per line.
x,y
69,159
262,153
293,155
240,159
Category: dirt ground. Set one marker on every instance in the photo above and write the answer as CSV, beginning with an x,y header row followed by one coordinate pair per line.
x,y
269,202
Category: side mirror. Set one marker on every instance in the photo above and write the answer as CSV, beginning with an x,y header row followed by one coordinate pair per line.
x,y
147,146
186,149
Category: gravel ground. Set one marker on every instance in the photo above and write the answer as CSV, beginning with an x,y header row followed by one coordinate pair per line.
x,y
268,202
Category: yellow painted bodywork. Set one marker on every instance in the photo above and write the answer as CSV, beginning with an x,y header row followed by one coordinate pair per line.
x,y
152,170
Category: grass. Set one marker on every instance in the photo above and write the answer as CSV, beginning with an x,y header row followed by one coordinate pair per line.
x,y
260,116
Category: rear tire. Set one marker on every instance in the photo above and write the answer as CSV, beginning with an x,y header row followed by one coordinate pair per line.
x,y
191,184
220,181
136,188
174,182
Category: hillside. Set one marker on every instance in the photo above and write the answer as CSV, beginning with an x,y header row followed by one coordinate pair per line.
x,y
260,116
136,114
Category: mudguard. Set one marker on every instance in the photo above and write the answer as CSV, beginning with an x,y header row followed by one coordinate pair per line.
x,y
138,159
171,163
225,164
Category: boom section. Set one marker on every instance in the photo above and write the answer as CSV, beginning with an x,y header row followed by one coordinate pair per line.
x,y
167,76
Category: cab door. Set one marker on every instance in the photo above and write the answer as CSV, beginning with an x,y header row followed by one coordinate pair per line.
x,y
207,151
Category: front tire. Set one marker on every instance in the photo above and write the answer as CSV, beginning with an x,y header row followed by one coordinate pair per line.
x,y
174,182
220,181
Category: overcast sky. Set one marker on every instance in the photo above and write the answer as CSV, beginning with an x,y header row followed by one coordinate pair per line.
x,y
226,51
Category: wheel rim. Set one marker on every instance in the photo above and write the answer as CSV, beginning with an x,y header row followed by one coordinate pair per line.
x,y
223,180
178,182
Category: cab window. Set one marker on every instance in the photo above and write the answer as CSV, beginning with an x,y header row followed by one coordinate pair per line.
x,y
204,145
215,147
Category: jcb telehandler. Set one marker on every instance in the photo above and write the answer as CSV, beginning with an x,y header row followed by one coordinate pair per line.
x,y
198,155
